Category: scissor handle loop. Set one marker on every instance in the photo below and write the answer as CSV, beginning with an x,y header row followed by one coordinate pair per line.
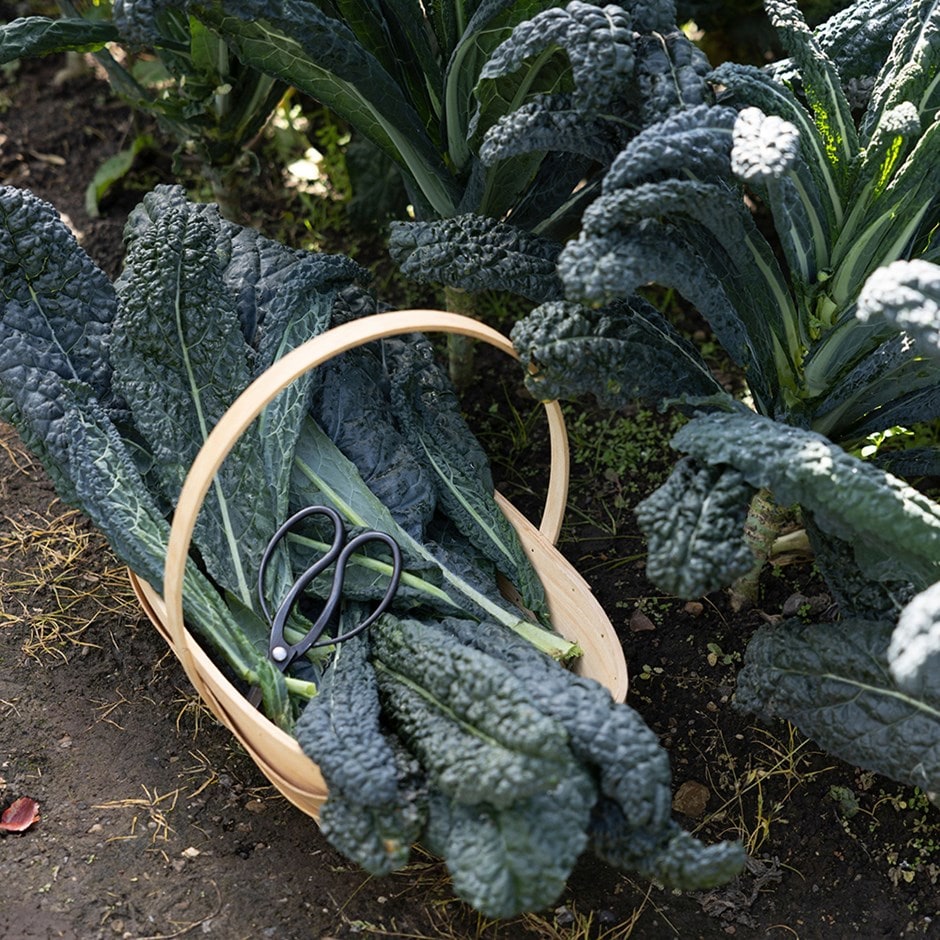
x,y
298,587
283,653
333,602
270,383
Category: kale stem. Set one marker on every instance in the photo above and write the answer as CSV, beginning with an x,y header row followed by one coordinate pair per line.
x,y
547,641
380,567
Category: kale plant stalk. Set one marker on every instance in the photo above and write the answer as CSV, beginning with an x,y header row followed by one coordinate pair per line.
x,y
837,145
189,81
501,115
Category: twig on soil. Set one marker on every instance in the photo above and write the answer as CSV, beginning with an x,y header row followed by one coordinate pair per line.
x,y
106,708
194,707
204,766
158,816
16,453
10,707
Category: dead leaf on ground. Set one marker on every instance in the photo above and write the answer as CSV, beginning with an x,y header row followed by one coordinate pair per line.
x,y
19,815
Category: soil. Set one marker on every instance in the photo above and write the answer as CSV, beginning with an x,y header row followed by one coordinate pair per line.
x,y
155,824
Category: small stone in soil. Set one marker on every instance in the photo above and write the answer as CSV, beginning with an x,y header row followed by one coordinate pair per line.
x,y
691,798
640,623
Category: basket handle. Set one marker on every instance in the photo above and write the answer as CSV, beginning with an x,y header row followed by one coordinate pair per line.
x,y
270,383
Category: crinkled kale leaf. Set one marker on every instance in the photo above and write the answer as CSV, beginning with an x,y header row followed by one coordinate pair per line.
x,y
833,680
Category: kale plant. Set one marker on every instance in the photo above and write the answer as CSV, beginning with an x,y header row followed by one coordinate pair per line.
x,y
825,298
501,114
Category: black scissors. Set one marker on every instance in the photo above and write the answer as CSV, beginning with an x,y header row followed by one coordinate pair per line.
x,y
282,653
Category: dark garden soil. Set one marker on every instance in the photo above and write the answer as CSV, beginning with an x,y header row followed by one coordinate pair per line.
x,y
156,825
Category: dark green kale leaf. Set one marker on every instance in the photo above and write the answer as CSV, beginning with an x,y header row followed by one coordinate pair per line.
x,y
914,651
180,377
834,682
695,526
379,837
477,253
340,729
322,471
39,35
549,123
894,530
466,717
598,44
428,412
617,353
351,404
375,809
906,294
517,858
56,320
673,857
633,825
670,75
255,268
695,141
857,596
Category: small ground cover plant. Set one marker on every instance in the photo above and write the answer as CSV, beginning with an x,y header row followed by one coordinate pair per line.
x,y
837,146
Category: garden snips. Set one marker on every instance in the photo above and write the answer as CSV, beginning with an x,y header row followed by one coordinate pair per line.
x,y
282,652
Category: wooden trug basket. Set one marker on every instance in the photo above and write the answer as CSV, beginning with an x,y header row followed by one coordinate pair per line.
x,y
574,610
